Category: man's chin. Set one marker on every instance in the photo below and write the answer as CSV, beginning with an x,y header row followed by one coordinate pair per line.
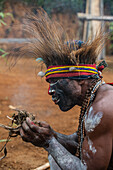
x,y
65,108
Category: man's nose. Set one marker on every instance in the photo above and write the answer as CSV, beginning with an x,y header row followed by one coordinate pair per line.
x,y
51,90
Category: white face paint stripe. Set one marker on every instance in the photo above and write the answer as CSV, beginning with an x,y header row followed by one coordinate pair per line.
x,y
52,84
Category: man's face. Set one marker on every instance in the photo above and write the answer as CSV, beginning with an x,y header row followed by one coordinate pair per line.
x,y
65,92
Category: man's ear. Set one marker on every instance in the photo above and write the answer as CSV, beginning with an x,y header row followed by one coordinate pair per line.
x,y
81,82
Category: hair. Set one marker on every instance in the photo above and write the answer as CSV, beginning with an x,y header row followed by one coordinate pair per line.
x,y
48,42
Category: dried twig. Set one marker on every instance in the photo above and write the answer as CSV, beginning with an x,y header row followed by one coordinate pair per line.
x,y
43,167
10,128
17,119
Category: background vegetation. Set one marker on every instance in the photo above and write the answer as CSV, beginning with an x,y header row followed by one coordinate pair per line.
x,y
62,5
52,7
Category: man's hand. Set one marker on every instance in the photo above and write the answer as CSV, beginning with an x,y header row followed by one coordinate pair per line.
x,y
38,134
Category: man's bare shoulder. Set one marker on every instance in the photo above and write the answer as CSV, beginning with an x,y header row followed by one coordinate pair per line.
x,y
104,103
104,97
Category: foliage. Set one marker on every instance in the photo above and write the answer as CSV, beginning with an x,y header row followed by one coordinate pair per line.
x,y
53,5
59,5
2,16
108,5
111,36
3,53
2,22
64,5
2,5
4,140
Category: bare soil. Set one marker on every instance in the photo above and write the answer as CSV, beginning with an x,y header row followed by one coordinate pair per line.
x,y
21,87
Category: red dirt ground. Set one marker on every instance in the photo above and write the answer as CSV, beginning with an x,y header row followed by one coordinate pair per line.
x,y
21,88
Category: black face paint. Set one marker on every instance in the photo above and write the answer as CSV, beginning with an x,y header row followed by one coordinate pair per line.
x,y
64,93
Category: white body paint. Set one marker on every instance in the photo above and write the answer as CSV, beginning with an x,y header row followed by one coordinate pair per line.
x,y
86,154
92,120
91,147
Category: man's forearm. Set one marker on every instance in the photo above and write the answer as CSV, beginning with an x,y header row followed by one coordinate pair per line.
x,y
68,141
63,158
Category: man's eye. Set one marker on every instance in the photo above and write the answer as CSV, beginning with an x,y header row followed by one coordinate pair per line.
x,y
53,81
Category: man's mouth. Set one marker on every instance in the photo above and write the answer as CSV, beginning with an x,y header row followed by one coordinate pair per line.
x,y
55,100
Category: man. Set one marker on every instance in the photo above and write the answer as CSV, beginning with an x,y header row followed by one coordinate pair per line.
x,y
74,80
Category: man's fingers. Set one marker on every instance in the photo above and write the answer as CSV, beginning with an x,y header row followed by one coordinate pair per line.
x,y
27,138
27,129
43,124
40,123
32,126
24,136
44,131
36,134
41,130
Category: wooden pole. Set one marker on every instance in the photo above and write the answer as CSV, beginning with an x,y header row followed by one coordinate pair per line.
x,y
93,18
89,17
13,40
87,23
102,55
95,10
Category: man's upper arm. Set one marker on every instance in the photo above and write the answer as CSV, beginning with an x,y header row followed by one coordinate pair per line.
x,y
97,152
97,145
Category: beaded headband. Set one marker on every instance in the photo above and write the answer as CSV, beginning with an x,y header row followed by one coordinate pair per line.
x,y
82,71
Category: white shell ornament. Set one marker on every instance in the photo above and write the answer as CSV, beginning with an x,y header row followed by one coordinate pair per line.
x,y
41,74
72,68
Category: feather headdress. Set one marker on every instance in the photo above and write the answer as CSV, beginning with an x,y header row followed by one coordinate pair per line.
x,y
49,43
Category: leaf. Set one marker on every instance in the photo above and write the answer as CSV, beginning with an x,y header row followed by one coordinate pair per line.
x,y
4,140
1,50
3,55
2,22
5,153
9,14
2,15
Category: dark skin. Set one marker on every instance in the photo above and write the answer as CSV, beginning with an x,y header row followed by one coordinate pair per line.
x,y
66,94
